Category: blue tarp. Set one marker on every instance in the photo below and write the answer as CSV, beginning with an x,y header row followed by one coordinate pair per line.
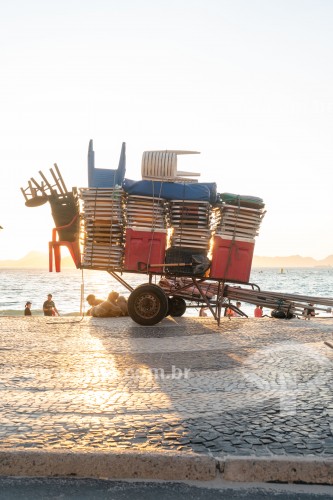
x,y
199,191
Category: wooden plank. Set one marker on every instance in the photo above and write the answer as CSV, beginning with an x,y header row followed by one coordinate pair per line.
x,y
38,186
46,182
24,194
60,178
57,183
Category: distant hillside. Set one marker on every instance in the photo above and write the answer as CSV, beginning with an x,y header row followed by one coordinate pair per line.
x,y
37,260
291,261
41,260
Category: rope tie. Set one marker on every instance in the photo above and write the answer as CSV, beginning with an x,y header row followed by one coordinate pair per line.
x,y
233,240
111,227
93,229
153,221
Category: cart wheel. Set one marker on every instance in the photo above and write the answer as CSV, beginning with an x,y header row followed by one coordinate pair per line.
x,y
177,306
147,305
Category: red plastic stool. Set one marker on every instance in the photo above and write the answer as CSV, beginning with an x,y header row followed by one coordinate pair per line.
x,y
54,248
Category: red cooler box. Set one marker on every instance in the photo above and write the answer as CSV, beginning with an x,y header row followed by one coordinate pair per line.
x,y
144,247
232,259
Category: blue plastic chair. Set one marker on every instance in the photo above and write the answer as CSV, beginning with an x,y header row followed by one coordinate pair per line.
x,y
106,177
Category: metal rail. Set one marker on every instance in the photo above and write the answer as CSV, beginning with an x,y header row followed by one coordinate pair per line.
x,y
217,295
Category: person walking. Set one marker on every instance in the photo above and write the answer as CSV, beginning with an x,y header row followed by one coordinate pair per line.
x,y
27,310
49,307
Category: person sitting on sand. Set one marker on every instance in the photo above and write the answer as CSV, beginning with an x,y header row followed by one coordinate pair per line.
x,y
258,312
229,312
122,303
309,312
203,311
232,313
119,301
113,298
113,307
237,314
27,310
107,308
92,301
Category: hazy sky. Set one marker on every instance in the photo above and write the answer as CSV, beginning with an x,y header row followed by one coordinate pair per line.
x,y
249,83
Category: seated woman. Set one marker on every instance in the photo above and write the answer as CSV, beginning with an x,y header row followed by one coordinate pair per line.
x,y
113,307
119,301
309,312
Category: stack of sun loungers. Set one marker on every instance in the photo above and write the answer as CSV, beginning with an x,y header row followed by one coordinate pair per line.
x,y
239,216
191,224
190,237
103,227
146,212
146,233
238,221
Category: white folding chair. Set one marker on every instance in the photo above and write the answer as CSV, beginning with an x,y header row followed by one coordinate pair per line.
x,y
162,165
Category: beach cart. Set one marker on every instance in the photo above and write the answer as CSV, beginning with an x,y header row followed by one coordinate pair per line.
x,y
192,246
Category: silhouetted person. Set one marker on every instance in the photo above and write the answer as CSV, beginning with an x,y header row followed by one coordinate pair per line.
x,y
27,310
92,301
309,312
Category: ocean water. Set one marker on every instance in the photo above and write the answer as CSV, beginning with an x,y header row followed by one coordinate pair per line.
x,y
17,286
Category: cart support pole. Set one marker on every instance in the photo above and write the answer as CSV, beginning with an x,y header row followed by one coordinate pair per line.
x,y
205,298
219,300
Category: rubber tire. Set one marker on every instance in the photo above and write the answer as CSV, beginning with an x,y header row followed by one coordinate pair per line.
x,y
147,305
177,307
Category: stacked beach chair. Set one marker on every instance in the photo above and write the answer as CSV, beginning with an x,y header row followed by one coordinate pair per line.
x,y
188,217
190,235
237,223
146,233
65,212
103,227
146,212
102,214
190,221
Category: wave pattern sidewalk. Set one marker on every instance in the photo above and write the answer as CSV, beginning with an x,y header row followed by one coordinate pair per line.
x,y
249,387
